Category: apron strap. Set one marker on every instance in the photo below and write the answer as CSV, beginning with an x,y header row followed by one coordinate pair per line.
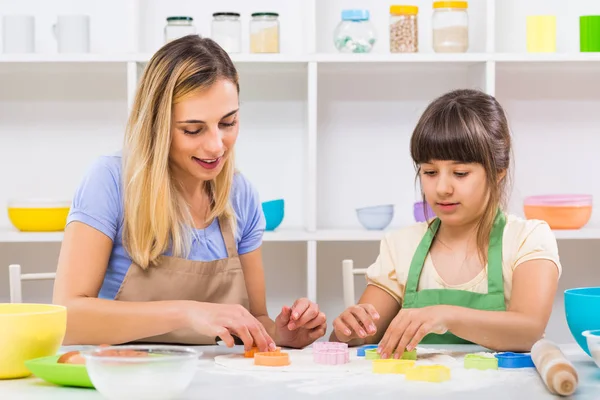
x,y
495,279
228,237
418,260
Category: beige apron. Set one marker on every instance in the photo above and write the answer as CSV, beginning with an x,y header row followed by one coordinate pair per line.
x,y
220,281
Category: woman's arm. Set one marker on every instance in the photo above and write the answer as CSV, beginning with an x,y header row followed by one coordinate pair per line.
x,y
351,324
517,329
82,263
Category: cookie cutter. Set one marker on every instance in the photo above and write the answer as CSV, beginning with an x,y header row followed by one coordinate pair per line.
x,y
250,353
514,360
481,362
272,359
372,354
392,366
331,353
360,352
428,373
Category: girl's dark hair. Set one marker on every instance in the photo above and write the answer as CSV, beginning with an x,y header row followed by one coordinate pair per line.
x,y
468,126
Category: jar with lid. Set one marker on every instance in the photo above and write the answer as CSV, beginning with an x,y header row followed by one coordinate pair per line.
x,y
264,32
226,30
450,24
355,33
404,29
178,27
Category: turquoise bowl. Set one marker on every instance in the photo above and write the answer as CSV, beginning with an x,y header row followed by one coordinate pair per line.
x,y
274,212
581,309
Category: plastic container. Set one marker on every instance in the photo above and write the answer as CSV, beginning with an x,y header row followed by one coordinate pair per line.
x,y
38,215
450,24
560,211
422,212
375,217
581,311
404,29
159,372
179,26
541,33
226,30
274,212
29,331
355,33
589,33
264,32
593,343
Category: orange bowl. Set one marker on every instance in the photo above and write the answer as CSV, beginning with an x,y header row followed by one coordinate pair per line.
x,y
560,212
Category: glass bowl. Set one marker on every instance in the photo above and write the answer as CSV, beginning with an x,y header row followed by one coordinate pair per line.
x,y
148,372
593,342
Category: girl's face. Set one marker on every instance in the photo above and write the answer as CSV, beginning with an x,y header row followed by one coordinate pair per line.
x,y
457,192
204,129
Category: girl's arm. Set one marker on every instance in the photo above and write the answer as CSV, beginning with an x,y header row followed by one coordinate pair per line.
x,y
296,326
517,329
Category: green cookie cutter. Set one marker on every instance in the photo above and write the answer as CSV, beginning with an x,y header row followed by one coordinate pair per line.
x,y
481,362
371,354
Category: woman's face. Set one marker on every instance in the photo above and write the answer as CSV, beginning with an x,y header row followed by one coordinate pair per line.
x,y
204,129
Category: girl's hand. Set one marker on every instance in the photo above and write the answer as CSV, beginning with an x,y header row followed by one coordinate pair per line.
x,y
410,326
356,322
300,325
225,320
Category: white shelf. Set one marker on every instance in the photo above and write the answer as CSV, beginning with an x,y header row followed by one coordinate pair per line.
x,y
8,235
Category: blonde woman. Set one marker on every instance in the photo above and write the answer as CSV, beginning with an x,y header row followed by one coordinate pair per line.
x,y
163,242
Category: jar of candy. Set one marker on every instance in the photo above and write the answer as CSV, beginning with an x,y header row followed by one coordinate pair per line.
x,y
178,27
264,32
226,30
355,33
450,24
404,30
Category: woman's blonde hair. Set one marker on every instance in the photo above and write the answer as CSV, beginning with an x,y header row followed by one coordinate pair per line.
x,y
156,216
468,126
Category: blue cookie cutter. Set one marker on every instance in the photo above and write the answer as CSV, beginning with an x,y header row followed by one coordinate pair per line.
x,y
360,352
514,360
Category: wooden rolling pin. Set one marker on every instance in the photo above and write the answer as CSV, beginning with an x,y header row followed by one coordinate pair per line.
x,y
558,373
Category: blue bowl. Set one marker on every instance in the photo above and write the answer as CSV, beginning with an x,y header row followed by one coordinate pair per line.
x,y
581,309
375,217
273,211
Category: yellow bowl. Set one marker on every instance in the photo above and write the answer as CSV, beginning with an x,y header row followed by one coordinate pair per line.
x,y
29,331
39,216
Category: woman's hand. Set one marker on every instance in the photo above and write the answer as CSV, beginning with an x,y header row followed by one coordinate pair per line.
x,y
225,320
300,325
410,326
356,322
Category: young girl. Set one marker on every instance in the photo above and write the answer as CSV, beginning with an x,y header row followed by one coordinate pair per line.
x,y
163,243
472,274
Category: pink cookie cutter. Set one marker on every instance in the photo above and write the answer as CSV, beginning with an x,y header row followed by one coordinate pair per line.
x,y
330,353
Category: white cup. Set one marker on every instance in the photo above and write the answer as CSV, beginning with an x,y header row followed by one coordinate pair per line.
x,y
72,33
18,34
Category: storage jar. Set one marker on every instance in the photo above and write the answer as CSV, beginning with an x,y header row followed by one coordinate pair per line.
x,y
178,27
355,33
450,23
404,30
589,33
541,33
226,30
264,32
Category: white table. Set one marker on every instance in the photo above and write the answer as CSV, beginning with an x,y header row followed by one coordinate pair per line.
x,y
214,382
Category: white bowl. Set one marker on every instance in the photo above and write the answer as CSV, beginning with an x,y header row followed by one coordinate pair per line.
x,y
593,342
154,372
375,217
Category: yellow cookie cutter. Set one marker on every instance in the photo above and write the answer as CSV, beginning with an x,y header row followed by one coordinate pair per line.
x,y
428,373
392,366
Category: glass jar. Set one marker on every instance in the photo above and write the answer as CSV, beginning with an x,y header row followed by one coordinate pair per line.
x,y
404,30
355,33
450,24
226,30
178,27
264,32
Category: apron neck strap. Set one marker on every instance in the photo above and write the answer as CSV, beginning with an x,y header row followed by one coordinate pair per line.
x,y
228,236
420,255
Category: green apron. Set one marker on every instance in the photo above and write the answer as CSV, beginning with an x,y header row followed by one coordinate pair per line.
x,y
492,301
